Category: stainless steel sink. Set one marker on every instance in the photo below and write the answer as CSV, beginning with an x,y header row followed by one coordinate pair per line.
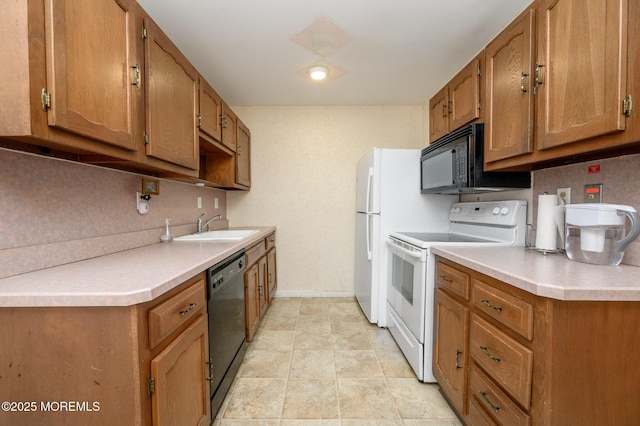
x,y
219,235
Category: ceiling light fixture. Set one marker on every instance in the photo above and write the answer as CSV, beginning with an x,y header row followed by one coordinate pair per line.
x,y
318,72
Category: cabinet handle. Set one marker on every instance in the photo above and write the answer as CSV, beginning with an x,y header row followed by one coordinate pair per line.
x,y
210,363
186,310
136,67
445,279
489,304
485,350
223,121
522,76
488,401
538,80
458,353
449,107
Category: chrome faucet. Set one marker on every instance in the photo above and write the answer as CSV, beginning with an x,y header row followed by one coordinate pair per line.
x,y
206,224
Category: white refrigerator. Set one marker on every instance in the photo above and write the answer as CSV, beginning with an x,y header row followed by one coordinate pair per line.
x,y
388,199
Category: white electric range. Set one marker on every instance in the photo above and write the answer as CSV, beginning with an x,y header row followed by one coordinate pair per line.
x,y
410,292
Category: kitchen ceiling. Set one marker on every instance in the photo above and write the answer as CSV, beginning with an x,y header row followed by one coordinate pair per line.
x,y
379,52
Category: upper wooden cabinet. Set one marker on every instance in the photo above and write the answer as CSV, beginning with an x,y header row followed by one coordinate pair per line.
x,y
243,155
560,79
71,82
581,70
91,69
509,97
229,128
171,101
210,114
458,103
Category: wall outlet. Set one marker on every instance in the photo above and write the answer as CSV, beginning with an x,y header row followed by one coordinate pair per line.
x,y
199,202
593,193
215,203
565,195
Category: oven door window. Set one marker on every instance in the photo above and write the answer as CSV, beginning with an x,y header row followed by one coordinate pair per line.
x,y
407,283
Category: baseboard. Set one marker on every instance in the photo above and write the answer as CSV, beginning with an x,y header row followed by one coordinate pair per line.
x,y
307,293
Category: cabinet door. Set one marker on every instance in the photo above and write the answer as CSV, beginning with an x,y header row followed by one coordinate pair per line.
x,y
272,275
181,395
171,101
91,69
243,155
262,285
210,111
509,105
252,306
450,354
229,127
439,114
464,96
582,64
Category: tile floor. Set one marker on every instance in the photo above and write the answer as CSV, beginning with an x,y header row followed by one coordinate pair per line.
x,y
318,361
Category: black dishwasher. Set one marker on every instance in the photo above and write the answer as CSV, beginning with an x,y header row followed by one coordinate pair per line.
x,y
227,330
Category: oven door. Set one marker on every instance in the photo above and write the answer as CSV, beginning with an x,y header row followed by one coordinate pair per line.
x,y
406,285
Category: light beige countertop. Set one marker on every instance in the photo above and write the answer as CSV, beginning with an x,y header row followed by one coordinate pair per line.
x,y
551,275
121,279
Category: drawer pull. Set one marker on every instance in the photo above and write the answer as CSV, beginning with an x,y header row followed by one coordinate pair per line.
x,y
485,350
488,401
489,304
188,308
445,279
458,353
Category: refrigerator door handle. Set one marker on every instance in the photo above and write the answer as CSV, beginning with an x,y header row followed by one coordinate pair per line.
x,y
368,230
369,207
369,210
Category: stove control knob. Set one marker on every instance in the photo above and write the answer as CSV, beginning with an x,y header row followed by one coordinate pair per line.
x,y
457,210
496,210
504,211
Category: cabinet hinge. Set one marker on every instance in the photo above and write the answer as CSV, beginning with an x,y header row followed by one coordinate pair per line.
x,y
151,386
199,117
45,99
144,33
627,106
479,105
479,71
146,138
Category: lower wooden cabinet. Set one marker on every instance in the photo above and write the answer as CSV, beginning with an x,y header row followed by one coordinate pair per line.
x,y
504,356
451,349
180,388
260,282
96,365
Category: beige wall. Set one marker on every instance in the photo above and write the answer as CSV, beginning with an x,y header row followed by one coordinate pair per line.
x,y
303,181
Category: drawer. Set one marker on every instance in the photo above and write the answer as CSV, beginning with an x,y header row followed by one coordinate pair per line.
x,y
453,280
255,252
508,362
271,241
171,314
487,394
478,416
509,310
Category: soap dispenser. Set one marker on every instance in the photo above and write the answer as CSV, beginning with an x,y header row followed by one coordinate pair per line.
x,y
167,235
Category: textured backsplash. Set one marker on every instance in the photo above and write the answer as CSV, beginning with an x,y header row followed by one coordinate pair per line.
x,y
619,176
55,211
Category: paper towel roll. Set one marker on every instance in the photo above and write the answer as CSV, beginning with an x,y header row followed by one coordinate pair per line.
x,y
547,227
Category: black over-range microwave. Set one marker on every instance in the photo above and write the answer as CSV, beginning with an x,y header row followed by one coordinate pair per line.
x,y
454,165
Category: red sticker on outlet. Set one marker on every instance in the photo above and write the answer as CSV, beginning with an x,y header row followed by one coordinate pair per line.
x,y
594,169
